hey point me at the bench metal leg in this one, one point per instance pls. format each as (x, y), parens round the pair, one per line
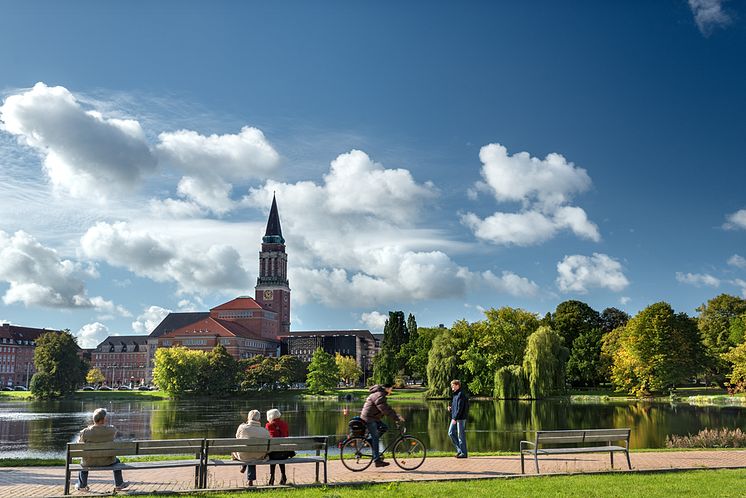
(317, 472)
(325, 472)
(629, 465)
(523, 469)
(536, 460)
(611, 454)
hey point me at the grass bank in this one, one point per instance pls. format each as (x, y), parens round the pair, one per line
(701, 483)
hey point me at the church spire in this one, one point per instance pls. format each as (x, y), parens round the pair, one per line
(273, 235)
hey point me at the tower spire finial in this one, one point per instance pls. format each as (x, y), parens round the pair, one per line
(273, 235)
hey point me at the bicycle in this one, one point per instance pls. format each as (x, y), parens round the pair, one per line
(408, 451)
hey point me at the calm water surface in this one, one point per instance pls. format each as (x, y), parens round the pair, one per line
(42, 428)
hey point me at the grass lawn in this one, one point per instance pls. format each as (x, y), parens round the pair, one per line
(720, 483)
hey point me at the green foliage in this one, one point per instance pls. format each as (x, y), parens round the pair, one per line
(270, 373)
(421, 344)
(95, 376)
(177, 369)
(59, 370)
(349, 371)
(219, 373)
(444, 361)
(323, 373)
(585, 366)
(496, 342)
(388, 363)
(544, 363)
(709, 438)
(510, 382)
(737, 329)
(613, 318)
(714, 323)
(291, 370)
(737, 358)
(573, 318)
(657, 350)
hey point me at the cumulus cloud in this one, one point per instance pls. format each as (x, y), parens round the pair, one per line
(737, 261)
(155, 255)
(510, 283)
(38, 276)
(84, 153)
(736, 221)
(709, 14)
(577, 273)
(91, 335)
(374, 320)
(624, 300)
(149, 319)
(742, 284)
(697, 279)
(212, 162)
(372, 212)
(543, 187)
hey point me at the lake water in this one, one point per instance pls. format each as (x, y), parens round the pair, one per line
(42, 428)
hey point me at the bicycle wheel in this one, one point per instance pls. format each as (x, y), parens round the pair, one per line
(409, 453)
(356, 454)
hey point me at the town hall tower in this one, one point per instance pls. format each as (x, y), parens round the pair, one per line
(272, 286)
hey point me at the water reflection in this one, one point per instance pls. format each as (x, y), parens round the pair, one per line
(42, 428)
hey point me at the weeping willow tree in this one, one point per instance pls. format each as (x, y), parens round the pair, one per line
(444, 360)
(544, 363)
(510, 382)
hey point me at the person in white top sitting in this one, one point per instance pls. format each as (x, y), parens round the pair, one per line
(249, 430)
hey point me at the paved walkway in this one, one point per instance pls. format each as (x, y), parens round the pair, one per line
(18, 482)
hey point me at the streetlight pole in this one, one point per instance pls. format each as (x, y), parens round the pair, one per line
(28, 365)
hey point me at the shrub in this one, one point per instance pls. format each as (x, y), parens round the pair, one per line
(709, 438)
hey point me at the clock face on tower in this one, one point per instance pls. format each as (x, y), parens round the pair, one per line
(268, 294)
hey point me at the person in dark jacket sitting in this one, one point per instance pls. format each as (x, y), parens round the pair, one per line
(374, 409)
(459, 411)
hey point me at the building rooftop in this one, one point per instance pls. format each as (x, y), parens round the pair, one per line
(328, 333)
(240, 303)
(175, 321)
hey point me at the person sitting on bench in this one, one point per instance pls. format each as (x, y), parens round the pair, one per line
(251, 429)
(99, 432)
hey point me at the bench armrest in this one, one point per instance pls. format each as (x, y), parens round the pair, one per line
(524, 445)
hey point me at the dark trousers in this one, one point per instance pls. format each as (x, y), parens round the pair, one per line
(83, 477)
(272, 469)
(375, 428)
(251, 472)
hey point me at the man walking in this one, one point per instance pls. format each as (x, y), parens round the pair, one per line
(99, 432)
(459, 408)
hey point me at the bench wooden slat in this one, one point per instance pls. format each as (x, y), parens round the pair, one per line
(140, 465)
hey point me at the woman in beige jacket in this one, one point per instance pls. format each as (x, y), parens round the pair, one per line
(252, 429)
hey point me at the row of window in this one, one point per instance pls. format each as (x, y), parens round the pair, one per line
(6, 340)
(235, 314)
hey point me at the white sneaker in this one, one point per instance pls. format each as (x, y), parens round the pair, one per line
(82, 489)
(122, 486)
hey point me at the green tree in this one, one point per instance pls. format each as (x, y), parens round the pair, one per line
(219, 373)
(387, 364)
(417, 361)
(658, 349)
(349, 371)
(544, 363)
(613, 318)
(291, 370)
(95, 376)
(738, 329)
(260, 372)
(444, 361)
(572, 318)
(409, 349)
(585, 366)
(59, 369)
(177, 369)
(714, 323)
(498, 341)
(323, 374)
(510, 382)
(737, 358)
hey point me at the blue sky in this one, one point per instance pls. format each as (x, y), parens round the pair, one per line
(435, 157)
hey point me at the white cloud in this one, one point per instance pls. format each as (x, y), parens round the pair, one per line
(709, 14)
(697, 279)
(84, 153)
(742, 284)
(38, 276)
(737, 261)
(624, 300)
(543, 187)
(736, 221)
(214, 267)
(510, 283)
(374, 320)
(577, 273)
(109, 308)
(90, 335)
(371, 212)
(149, 319)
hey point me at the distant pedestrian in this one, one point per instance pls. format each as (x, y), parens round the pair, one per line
(249, 430)
(459, 409)
(277, 428)
(99, 432)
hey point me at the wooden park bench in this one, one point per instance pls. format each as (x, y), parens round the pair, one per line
(318, 445)
(580, 441)
(191, 447)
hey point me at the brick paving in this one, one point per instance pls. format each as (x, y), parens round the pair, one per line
(21, 482)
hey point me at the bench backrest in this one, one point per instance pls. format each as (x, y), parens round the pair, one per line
(582, 436)
(296, 444)
(137, 447)
(252, 445)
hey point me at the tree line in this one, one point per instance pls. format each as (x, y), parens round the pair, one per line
(514, 353)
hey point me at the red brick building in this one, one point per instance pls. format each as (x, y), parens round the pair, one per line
(17, 346)
(123, 359)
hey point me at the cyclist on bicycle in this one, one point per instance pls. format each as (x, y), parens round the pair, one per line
(374, 409)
